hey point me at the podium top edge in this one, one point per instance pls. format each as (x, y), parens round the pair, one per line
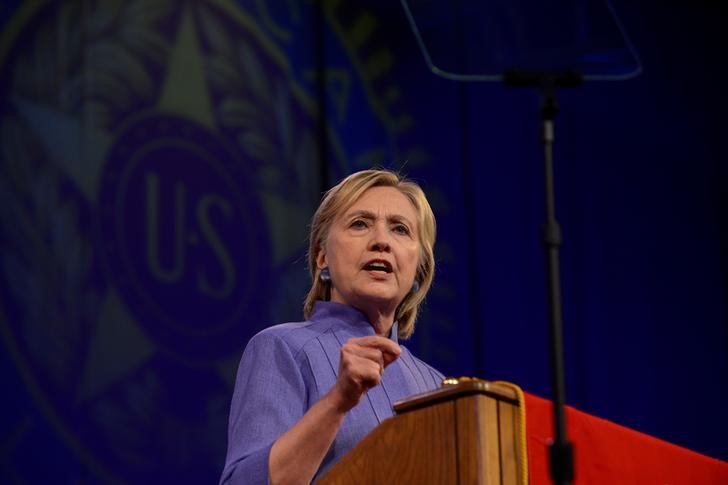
(454, 391)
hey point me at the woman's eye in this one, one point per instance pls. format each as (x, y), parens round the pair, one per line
(358, 224)
(401, 229)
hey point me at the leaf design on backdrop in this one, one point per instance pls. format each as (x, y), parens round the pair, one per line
(102, 66)
(257, 108)
(45, 254)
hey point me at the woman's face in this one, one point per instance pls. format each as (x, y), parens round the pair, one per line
(372, 250)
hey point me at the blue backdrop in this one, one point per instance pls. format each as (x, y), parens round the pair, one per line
(160, 161)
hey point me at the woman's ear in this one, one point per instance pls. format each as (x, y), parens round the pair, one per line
(321, 258)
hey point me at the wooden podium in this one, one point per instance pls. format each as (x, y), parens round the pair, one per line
(468, 432)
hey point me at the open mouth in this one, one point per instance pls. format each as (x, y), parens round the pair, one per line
(378, 265)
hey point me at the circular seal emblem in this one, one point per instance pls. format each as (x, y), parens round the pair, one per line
(180, 234)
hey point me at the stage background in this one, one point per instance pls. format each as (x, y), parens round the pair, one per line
(160, 161)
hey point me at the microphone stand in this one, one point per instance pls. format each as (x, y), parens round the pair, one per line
(561, 458)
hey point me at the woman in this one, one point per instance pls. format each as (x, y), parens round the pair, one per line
(307, 392)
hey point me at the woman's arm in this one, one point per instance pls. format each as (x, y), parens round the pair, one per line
(297, 454)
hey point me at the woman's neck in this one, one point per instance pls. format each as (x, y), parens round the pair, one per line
(382, 322)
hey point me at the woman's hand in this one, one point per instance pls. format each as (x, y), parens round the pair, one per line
(298, 453)
(361, 367)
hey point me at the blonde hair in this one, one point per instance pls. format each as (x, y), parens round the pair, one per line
(338, 200)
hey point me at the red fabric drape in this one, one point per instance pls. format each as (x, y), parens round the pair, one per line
(607, 453)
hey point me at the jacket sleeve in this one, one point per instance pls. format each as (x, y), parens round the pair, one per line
(270, 396)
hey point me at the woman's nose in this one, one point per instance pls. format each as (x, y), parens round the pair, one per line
(380, 239)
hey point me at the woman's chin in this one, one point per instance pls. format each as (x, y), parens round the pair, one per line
(373, 296)
(380, 296)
